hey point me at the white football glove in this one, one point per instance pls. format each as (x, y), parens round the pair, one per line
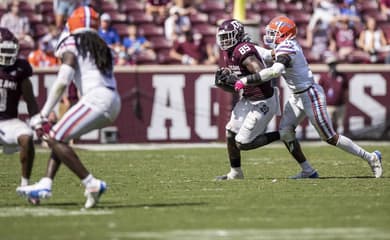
(37, 120)
(41, 125)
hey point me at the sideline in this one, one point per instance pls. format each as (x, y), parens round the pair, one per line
(159, 146)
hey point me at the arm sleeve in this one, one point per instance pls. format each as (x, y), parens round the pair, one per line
(65, 75)
(272, 72)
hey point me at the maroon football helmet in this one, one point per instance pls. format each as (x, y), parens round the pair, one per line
(9, 47)
(230, 33)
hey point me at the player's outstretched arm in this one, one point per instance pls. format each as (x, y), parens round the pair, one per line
(65, 76)
(266, 74)
(28, 96)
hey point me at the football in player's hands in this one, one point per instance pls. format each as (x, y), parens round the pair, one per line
(225, 75)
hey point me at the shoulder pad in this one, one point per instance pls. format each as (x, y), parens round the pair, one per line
(23, 68)
(286, 47)
(67, 44)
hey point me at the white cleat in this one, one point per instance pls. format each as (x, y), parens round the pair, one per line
(302, 174)
(376, 164)
(236, 174)
(93, 194)
(35, 191)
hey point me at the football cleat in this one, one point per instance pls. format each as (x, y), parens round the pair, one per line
(93, 194)
(35, 191)
(237, 174)
(303, 174)
(376, 164)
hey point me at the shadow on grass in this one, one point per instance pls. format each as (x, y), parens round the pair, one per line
(321, 177)
(109, 205)
(113, 205)
(352, 177)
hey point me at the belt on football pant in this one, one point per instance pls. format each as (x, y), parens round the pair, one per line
(304, 90)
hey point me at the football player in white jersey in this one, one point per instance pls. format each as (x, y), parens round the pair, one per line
(88, 61)
(308, 98)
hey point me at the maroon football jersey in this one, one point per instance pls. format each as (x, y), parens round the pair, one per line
(233, 60)
(11, 78)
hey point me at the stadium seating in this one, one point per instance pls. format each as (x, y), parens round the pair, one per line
(108, 6)
(204, 20)
(25, 49)
(117, 17)
(160, 42)
(139, 18)
(198, 18)
(151, 30)
(205, 29)
(164, 58)
(26, 7)
(121, 28)
(211, 6)
(129, 6)
(44, 7)
(39, 30)
(218, 16)
(264, 6)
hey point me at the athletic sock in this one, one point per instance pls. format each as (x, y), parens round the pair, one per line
(306, 167)
(348, 145)
(90, 181)
(46, 182)
(235, 170)
(24, 181)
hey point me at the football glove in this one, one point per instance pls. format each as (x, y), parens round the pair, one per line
(238, 85)
(41, 125)
(225, 79)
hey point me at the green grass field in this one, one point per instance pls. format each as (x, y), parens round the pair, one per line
(171, 194)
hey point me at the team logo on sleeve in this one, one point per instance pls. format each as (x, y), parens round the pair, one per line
(264, 108)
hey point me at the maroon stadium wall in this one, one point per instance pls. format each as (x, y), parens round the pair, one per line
(181, 104)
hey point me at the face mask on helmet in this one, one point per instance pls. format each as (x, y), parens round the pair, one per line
(8, 52)
(226, 39)
(270, 37)
(229, 34)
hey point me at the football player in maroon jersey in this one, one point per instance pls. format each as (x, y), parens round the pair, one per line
(258, 104)
(15, 84)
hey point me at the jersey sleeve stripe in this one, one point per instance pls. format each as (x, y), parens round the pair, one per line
(285, 51)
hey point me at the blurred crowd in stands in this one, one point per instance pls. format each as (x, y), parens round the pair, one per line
(183, 31)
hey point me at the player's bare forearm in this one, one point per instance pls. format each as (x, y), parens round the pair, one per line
(29, 98)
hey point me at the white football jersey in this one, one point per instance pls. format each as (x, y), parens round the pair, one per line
(87, 76)
(266, 55)
(297, 75)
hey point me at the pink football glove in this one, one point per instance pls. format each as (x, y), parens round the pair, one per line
(238, 85)
(43, 130)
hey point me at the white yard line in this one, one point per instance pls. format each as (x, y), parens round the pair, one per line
(259, 234)
(44, 212)
(158, 146)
